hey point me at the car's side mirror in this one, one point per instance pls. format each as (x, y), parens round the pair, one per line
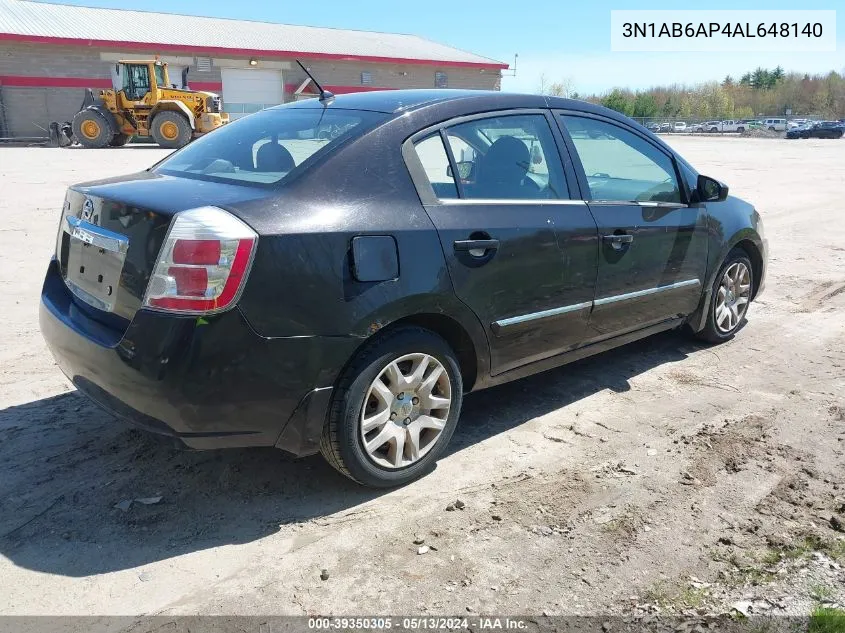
(711, 190)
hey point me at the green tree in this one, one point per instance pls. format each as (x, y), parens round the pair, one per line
(760, 79)
(744, 112)
(728, 81)
(644, 105)
(619, 101)
(670, 106)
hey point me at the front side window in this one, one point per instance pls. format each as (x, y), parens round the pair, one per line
(621, 166)
(267, 146)
(509, 157)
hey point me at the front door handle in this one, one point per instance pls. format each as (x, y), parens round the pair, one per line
(477, 248)
(618, 242)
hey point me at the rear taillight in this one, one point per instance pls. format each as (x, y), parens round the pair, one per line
(203, 263)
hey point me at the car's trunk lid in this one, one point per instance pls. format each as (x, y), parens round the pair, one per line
(112, 230)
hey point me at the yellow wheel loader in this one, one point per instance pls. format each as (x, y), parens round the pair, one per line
(143, 102)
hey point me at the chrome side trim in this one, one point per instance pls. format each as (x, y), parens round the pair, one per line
(526, 201)
(664, 205)
(542, 315)
(638, 203)
(646, 292)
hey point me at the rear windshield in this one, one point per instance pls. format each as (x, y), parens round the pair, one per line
(263, 148)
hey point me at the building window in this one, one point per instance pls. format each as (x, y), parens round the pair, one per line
(204, 64)
(366, 78)
(440, 80)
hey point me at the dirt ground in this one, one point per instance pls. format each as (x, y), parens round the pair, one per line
(662, 477)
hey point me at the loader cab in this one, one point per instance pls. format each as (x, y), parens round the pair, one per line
(138, 79)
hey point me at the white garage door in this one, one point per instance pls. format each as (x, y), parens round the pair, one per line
(250, 90)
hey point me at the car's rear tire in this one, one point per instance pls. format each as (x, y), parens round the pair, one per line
(92, 129)
(740, 130)
(730, 298)
(394, 409)
(171, 130)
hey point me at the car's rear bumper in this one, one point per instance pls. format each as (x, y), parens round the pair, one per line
(210, 383)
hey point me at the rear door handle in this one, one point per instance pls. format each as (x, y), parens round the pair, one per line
(618, 242)
(618, 239)
(476, 245)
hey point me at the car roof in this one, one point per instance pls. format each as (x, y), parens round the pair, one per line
(401, 101)
(459, 102)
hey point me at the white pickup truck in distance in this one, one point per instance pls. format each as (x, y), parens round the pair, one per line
(730, 125)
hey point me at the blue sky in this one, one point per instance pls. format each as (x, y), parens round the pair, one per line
(559, 40)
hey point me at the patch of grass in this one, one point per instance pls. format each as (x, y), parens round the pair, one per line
(671, 598)
(834, 548)
(771, 557)
(821, 593)
(827, 620)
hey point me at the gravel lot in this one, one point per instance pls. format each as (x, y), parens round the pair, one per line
(665, 476)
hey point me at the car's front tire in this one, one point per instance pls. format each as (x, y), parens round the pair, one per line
(730, 298)
(394, 409)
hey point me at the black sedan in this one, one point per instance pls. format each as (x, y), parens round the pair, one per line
(333, 275)
(823, 129)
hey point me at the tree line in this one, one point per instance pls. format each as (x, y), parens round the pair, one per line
(756, 93)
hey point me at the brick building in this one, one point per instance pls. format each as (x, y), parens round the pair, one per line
(50, 53)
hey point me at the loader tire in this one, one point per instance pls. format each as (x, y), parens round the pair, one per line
(170, 130)
(92, 129)
(119, 140)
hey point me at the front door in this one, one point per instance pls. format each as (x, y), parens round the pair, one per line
(520, 252)
(653, 247)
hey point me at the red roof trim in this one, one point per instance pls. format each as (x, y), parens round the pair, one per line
(24, 81)
(54, 82)
(150, 46)
(338, 90)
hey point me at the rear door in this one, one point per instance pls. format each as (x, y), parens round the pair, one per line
(520, 251)
(652, 253)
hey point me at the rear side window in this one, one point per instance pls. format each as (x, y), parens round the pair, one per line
(264, 148)
(511, 157)
(435, 162)
(621, 166)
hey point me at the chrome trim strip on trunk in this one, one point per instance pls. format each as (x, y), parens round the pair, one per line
(97, 235)
(542, 315)
(648, 291)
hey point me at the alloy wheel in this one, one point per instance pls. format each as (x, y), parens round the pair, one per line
(732, 297)
(405, 410)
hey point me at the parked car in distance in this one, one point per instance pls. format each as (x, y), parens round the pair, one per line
(267, 286)
(654, 127)
(793, 123)
(774, 125)
(821, 129)
(665, 127)
(712, 126)
(695, 127)
(798, 132)
(679, 126)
